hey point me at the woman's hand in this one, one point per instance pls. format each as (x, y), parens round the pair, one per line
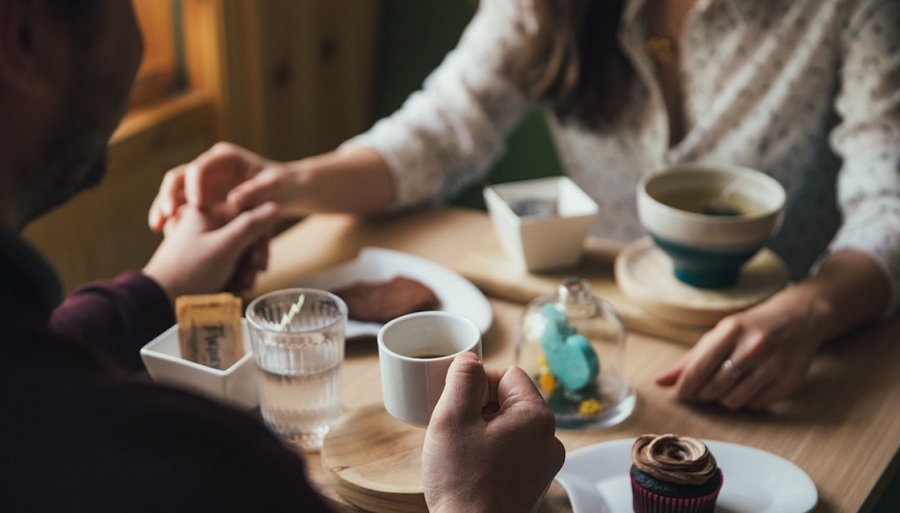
(759, 356)
(228, 179)
(750, 359)
(491, 443)
(223, 181)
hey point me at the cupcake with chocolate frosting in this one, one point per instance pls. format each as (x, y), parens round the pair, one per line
(673, 474)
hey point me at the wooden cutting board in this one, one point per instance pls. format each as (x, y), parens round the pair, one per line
(489, 269)
(375, 461)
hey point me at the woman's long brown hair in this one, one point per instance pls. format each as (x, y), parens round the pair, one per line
(573, 63)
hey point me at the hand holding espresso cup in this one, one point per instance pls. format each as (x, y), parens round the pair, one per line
(491, 439)
(414, 353)
(491, 444)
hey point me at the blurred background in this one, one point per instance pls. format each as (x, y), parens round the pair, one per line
(285, 78)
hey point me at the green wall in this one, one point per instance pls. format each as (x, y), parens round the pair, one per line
(415, 37)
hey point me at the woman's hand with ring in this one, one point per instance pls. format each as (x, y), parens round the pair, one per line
(732, 370)
(752, 358)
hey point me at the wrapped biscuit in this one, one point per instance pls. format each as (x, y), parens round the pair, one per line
(209, 329)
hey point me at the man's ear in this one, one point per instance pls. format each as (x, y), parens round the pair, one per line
(30, 47)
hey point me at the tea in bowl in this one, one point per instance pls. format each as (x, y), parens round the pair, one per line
(710, 219)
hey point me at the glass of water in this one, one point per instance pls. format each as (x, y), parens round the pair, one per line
(297, 336)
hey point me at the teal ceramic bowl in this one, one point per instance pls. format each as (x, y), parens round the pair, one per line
(710, 219)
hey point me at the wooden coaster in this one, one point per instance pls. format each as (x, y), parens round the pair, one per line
(375, 461)
(644, 273)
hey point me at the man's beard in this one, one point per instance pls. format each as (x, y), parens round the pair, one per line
(65, 185)
(75, 167)
(74, 155)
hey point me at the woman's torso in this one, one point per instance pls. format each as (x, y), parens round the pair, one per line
(758, 85)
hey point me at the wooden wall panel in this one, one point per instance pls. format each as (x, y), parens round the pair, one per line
(158, 73)
(291, 78)
(317, 61)
(295, 77)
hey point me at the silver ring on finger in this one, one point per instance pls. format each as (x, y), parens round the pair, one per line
(732, 370)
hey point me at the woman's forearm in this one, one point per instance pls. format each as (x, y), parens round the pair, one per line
(355, 181)
(849, 289)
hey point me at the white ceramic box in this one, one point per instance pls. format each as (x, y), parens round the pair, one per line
(235, 385)
(541, 224)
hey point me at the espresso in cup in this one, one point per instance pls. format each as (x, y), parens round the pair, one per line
(429, 356)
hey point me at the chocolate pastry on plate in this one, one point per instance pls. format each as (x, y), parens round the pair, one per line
(382, 301)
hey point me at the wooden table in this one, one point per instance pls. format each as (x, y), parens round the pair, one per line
(842, 427)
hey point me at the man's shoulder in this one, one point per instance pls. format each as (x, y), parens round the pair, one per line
(137, 446)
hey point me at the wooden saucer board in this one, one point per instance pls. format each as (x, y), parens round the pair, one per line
(645, 275)
(490, 270)
(374, 461)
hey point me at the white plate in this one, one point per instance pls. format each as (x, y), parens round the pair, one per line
(755, 481)
(455, 293)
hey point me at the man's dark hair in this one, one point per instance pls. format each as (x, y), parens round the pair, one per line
(72, 7)
(79, 16)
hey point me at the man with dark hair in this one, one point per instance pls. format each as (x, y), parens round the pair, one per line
(81, 432)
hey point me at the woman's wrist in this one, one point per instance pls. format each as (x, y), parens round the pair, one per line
(356, 181)
(298, 185)
(849, 289)
(816, 308)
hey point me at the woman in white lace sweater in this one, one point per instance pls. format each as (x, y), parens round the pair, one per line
(806, 91)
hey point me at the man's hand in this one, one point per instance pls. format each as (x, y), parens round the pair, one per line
(491, 443)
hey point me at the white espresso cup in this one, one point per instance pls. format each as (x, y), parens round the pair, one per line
(415, 352)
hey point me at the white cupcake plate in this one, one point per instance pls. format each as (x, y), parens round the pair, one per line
(596, 479)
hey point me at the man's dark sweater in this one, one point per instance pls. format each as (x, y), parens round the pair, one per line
(84, 432)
